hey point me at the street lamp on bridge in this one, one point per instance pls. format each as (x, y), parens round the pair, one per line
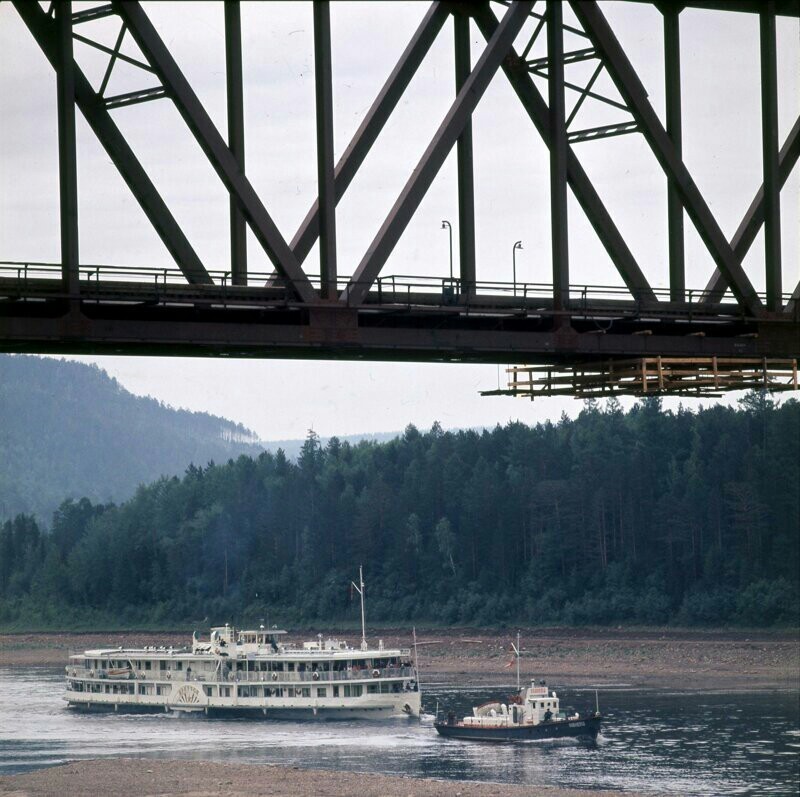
(447, 226)
(517, 245)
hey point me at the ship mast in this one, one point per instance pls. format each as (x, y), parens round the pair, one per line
(359, 588)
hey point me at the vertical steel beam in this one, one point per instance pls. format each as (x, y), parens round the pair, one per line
(325, 173)
(374, 121)
(67, 156)
(416, 187)
(769, 143)
(559, 222)
(466, 179)
(235, 94)
(672, 80)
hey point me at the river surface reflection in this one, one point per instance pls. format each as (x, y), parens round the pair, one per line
(703, 743)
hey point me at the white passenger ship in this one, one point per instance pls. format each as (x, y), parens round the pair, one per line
(249, 672)
(255, 673)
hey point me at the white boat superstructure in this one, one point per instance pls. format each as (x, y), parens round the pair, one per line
(255, 672)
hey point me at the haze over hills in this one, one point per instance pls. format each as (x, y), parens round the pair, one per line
(292, 448)
(68, 430)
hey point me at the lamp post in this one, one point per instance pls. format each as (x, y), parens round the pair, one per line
(517, 245)
(447, 226)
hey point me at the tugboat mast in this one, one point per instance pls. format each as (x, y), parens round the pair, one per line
(516, 650)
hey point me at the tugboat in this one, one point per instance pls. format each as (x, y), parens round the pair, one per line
(531, 714)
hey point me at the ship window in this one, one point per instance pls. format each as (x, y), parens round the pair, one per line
(372, 689)
(178, 665)
(322, 691)
(147, 665)
(306, 691)
(336, 691)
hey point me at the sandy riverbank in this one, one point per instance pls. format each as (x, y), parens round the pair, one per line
(145, 777)
(667, 658)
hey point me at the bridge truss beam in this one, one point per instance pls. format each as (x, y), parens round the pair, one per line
(294, 313)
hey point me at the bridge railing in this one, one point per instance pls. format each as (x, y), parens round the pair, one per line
(38, 279)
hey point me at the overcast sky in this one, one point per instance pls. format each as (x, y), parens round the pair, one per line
(282, 399)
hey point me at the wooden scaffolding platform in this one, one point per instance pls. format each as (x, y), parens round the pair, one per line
(651, 376)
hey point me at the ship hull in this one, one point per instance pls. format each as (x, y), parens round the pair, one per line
(585, 727)
(405, 705)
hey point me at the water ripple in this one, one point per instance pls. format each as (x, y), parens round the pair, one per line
(710, 743)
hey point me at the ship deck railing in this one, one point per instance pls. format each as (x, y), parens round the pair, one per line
(239, 676)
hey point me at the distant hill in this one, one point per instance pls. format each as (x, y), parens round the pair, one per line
(68, 430)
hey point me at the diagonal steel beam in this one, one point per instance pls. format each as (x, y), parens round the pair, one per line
(751, 223)
(215, 148)
(434, 156)
(581, 185)
(374, 122)
(96, 114)
(630, 87)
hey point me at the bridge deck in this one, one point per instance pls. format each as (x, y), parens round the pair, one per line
(406, 318)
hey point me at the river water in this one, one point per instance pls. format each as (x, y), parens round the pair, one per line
(693, 743)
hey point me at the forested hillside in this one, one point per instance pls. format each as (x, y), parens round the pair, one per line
(641, 517)
(69, 430)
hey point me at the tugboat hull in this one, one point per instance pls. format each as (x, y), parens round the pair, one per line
(583, 727)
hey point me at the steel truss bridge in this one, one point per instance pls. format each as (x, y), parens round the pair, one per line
(74, 307)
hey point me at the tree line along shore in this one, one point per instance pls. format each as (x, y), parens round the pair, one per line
(646, 517)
